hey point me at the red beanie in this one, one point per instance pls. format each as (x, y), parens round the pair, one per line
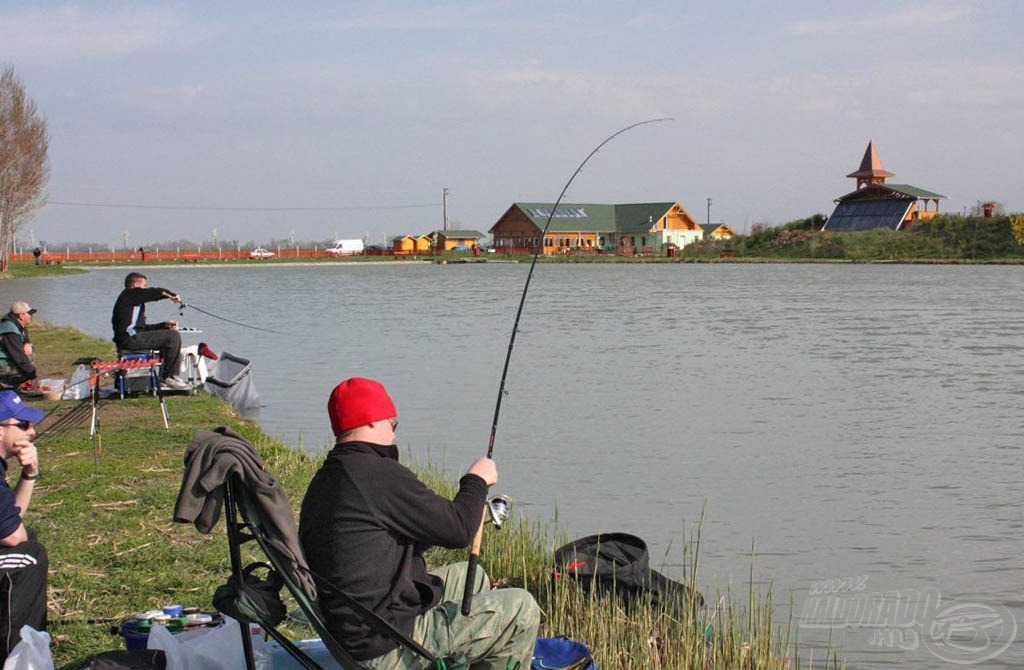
(357, 402)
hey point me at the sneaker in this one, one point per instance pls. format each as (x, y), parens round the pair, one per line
(173, 384)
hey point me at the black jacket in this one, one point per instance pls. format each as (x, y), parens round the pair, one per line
(129, 315)
(366, 521)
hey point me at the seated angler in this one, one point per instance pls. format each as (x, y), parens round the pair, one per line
(366, 523)
(132, 333)
(16, 359)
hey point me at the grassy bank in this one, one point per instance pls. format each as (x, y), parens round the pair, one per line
(114, 551)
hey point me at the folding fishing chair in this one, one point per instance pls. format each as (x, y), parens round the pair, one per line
(264, 515)
(245, 523)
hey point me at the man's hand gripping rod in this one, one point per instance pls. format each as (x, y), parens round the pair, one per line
(474, 552)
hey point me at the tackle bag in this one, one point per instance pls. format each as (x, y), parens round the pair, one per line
(134, 659)
(561, 653)
(619, 563)
(255, 600)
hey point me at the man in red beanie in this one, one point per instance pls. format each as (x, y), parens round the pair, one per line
(367, 521)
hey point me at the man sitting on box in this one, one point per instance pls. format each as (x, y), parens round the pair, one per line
(132, 333)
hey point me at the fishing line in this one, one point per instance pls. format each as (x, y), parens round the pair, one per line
(474, 554)
(224, 318)
(529, 275)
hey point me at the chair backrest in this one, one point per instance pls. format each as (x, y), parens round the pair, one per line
(300, 585)
(222, 469)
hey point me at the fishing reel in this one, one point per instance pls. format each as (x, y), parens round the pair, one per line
(498, 508)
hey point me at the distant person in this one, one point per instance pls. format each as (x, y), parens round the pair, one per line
(37, 252)
(23, 560)
(16, 354)
(132, 333)
(142, 253)
(366, 523)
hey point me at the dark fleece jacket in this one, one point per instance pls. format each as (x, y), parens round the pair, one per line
(366, 522)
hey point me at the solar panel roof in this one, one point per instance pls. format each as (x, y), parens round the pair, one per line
(868, 214)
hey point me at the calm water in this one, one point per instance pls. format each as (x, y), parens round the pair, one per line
(850, 421)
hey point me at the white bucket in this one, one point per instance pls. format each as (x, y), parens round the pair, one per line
(52, 389)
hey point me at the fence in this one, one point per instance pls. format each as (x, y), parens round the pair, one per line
(186, 255)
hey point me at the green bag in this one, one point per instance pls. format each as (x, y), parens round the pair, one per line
(255, 600)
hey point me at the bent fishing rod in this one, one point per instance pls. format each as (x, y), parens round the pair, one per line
(182, 305)
(474, 553)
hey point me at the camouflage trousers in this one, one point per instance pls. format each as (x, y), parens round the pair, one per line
(499, 631)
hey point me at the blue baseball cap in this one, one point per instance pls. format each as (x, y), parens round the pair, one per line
(12, 407)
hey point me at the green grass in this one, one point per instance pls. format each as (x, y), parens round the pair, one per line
(29, 269)
(106, 521)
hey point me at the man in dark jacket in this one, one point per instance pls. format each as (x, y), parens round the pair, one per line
(132, 333)
(23, 560)
(16, 366)
(367, 521)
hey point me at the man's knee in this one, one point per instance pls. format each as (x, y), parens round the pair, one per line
(30, 552)
(529, 610)
(519, 607)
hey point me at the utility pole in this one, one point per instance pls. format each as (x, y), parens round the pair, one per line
(445, 207)
(709, 211)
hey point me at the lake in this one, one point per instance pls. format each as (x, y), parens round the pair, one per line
(857, 428)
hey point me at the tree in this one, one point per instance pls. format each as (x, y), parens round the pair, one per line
(24, 168)
(1017, 227)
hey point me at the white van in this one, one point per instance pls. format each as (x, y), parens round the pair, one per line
(345, 248)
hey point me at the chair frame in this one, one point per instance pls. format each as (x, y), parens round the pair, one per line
(243, 525)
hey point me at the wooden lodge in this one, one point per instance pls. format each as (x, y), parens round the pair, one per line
(643, 228)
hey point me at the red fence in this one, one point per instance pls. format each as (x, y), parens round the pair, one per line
(183, 255)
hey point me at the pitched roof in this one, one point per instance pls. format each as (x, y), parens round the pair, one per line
(871, 165)
(890, 192)
(641, 216)
(569, 216)
(868, 214)
(572, 217)
(469, 234)
(914, 191)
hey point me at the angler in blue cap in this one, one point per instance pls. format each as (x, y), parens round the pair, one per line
(23, 560)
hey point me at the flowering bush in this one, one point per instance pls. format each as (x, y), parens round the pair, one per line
(788, 238)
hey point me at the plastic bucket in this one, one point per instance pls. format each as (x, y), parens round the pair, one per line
(52, 389)
(134, 639)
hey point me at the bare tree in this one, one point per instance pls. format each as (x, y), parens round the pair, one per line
(24, 168)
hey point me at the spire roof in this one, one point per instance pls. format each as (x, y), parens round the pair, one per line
(871, 167)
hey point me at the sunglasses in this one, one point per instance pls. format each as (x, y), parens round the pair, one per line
(394, 425)
(23, 425)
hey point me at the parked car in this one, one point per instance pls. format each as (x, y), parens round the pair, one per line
(260, 252)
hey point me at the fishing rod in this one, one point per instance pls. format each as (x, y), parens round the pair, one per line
(182, 305)
(474, 554)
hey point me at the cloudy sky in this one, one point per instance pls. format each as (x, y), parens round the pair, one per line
(260, 120)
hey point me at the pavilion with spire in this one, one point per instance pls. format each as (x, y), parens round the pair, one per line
(876, 204)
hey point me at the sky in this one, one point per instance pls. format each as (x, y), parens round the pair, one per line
(253, 121)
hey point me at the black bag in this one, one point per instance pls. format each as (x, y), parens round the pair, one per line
(255, 600)
(132, 659)
(619, 562)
